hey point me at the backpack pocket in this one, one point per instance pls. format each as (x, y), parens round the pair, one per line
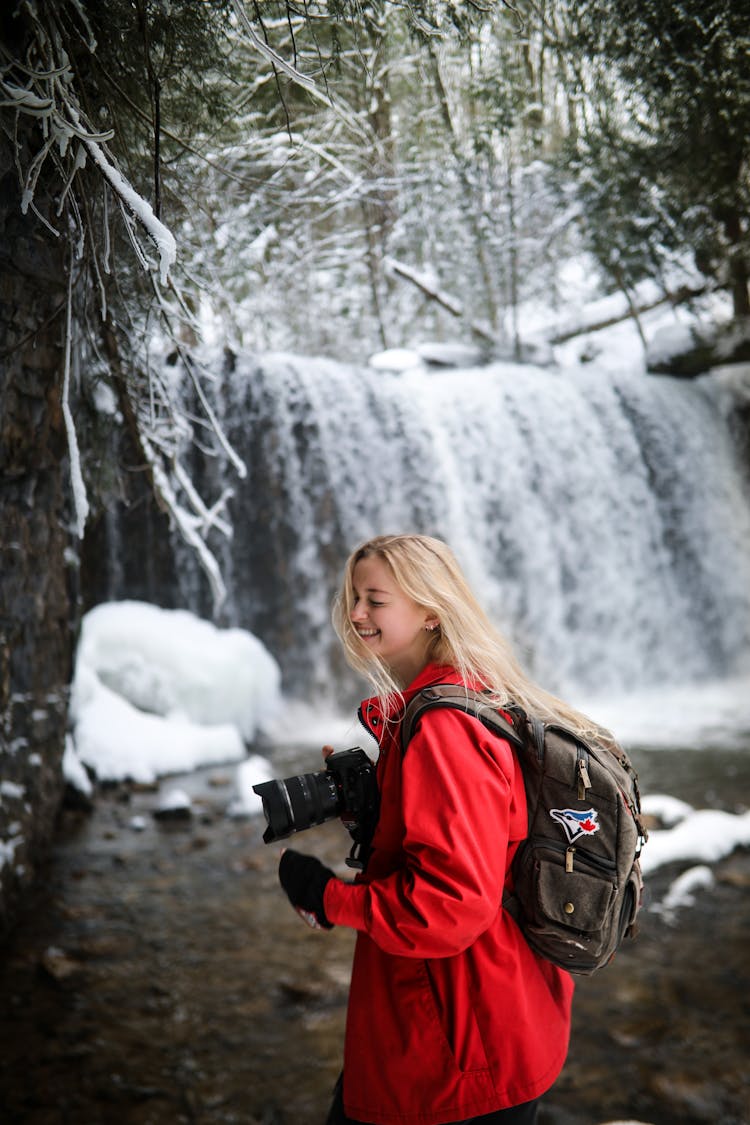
(631, 903)
(577, 902)
(568, 915)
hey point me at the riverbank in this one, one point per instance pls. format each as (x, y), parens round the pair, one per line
(158, 977)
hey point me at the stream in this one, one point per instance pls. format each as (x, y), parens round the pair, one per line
(158, 976)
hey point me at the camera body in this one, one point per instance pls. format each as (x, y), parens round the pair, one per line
(346, 788)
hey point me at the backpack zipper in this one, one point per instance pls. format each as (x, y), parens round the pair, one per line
(583, 858)
(582, 772)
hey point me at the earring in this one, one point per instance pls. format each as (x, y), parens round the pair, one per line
(431, 628)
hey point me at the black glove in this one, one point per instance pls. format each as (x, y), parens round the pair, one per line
(304, 878)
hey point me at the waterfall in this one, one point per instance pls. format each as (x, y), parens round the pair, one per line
(603, 521)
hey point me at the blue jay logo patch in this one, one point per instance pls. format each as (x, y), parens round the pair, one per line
(576, 824)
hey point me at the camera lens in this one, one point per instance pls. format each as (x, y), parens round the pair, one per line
(297, 803)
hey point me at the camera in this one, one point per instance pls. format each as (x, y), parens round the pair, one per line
(346, 788)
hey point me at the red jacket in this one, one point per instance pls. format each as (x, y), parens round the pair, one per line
(450, 1013)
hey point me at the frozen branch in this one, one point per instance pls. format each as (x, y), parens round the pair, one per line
(80, 499)
(216, 426)
(426, 285)
(630, 310)
(208, 517)
(159, 234)
(185, 522)
(274, 58)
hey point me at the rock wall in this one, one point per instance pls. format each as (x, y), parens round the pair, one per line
(37, 553)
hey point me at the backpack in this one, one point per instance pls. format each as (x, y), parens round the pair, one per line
(577, 879)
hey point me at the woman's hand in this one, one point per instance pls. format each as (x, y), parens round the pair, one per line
(304, 878)
(326, 752)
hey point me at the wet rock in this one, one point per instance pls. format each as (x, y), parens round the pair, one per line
(75, 800)
(735, 871)
(174, 815)
(175, 805)
(219, 781)
(59, 966)
(692, 1098)
(689, 350)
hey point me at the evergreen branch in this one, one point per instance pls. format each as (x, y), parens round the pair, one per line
(274, 58)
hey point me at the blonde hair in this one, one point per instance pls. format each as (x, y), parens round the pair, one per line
(426, 570)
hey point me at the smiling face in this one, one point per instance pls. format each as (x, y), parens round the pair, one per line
(388, 622)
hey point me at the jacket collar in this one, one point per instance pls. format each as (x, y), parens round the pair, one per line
(431, 674)
(371, 712)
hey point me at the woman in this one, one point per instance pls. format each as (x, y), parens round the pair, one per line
(451, 1017)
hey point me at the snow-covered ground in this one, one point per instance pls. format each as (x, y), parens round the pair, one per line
(616, 347)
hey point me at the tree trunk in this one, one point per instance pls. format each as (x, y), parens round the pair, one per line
(37, 559)
(470, 209)
(738, 269)
(379, 209)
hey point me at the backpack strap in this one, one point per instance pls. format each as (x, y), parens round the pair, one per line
(459, 698)
(473, 703)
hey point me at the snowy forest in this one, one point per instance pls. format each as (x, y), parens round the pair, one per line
(340, 178)
(274, 276)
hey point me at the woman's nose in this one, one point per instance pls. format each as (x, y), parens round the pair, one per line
(358, 612)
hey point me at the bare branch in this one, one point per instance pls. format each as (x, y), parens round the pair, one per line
(450, 304)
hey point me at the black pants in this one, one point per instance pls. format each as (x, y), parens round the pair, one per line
(516, 1115)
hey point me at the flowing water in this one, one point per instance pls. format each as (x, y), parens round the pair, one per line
(603, 520)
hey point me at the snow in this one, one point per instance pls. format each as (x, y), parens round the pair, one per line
(427, 355)
(161, 236)
(252, 772)
(680, 894)
(174, 800)
(450, 354)
(396, 359)
(74, 770)
(116, 740)
(704, 835)
(698, 837)
(669, 341)
(668, 810)
(78, 487)
(158, 692)
(617, 347)
(170, 662)
(11, 790)
(105, 401)
(8, 851)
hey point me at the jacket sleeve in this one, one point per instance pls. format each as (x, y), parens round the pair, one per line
(456, 799)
